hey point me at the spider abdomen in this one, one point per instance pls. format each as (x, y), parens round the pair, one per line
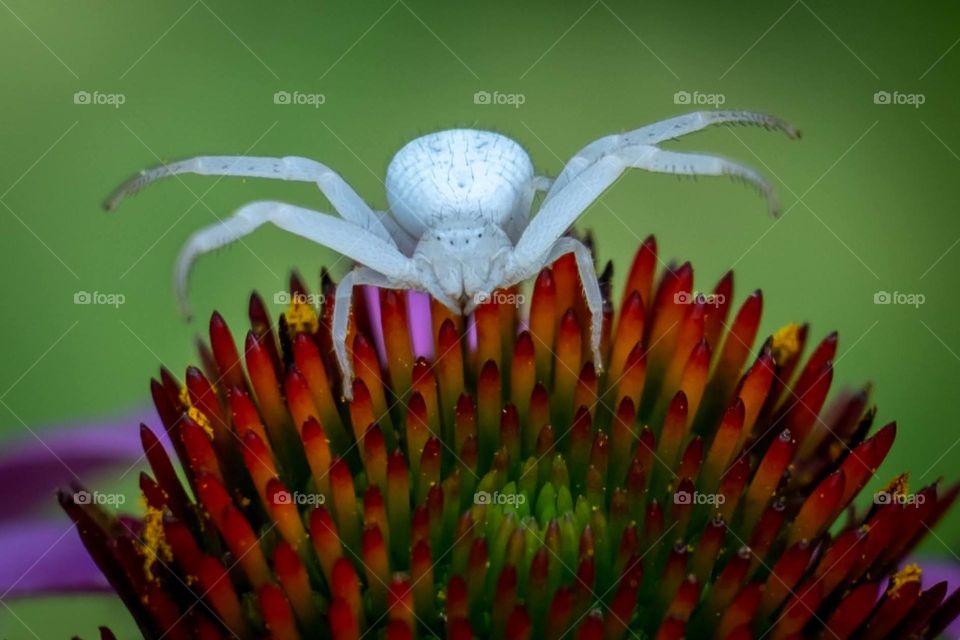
(458, 174)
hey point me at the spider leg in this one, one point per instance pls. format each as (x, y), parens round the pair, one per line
(343, 299)
(518, 220)
(673, 128)
(591, 289)
(557, 214)
(343, 198)
(658, 132)
(701, 164)
(531, 251)
(330, 231)
(405, 242)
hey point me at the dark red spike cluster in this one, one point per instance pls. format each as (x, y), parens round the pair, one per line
(509, 487)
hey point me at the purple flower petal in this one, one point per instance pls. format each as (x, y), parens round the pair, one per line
(49, 556)
(421, 324)
(32, 468)
(936, 570)
(46, 556)
(418, 317)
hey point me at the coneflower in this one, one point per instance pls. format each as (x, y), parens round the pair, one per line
(495, 483)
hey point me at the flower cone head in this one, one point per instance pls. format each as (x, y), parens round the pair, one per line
(490, 480)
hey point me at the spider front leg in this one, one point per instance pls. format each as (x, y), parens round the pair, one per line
(518, 219)
(343, 198)
(542, 241)
(526, 260)
(343, 299)
(343, 237)
(700, 164)
(591, 290)
(658, 132)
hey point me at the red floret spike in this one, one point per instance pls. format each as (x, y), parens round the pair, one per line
(629, 333)
(376, 566)
(818, 510)
(425, 383)
(224, 349)
(642, 271)
(544, 313)
(293, 577)
(396, 339)
(344, 503)
(721, 300)
(266, 387)
(277, 615)
(421, 577)
(523, 375)
(489, 393)
(344, 625)
(740, 614)
(487, 319)
(326, 541)
(449, 366)
(567, 367)
(398, 505)
(767, 478)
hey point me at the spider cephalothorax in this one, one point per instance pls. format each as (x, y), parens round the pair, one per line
(459, 224)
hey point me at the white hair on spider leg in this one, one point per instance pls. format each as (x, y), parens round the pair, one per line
(460, 221)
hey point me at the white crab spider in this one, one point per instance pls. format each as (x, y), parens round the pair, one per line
(459, 224)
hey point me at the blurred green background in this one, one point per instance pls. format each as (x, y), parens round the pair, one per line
(869, 193)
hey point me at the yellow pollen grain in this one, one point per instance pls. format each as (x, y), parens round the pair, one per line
(910, 573)
(785, 343)
(899, 486)
(155, 545)
(198, 416)
(301, 317)
(195, 414)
